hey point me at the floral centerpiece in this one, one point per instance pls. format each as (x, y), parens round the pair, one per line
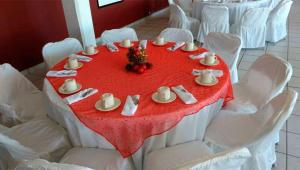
(138, 60)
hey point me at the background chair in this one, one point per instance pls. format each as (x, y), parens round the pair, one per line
(213, 19)
(117, 35)
(252, 27)
(186, 5)
(276, 23)
(266, 78)
(194, 155)
(20, 100)
(228, 46)
(54, 52)
(254, 131)
(178, 19)
(177, 35)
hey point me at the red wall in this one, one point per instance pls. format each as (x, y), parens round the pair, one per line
(26, 25)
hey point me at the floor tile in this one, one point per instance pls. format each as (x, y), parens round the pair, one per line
(241, 73)
(294, 82)
(293, 144)
(281, 162)
(281, 147)
(293, 124)
(256, 52)
(297, 108)
(293, 163)
(250, 58)
(297, 90)
(245, 65)
(277, 49)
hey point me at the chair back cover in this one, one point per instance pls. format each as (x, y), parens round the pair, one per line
(18, 97)
(177, 35)
(185, 4)
(54, 52)
(117, 35)
(178, 19)
(281, 11)
(39, 164)
(214, 19)
(228, 46)
(255, 17)
(266, 78)
(227, 160)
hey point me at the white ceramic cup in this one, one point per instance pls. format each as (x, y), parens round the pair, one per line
(107, 100)
(90, 49)
(207, 78)
(189, 46)
(73, 62)
(160, 40)
(70, 85)
(164, 93)
(126, 43)
(210, 58)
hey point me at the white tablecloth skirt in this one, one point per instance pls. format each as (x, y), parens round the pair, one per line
(190, 128)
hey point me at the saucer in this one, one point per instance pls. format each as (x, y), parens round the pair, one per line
(184, 49)
(198, 81)
(62, 90)
(121, 45)
(157, 100)
(155, 43)
(96, 52)
(99, 107)
(66, 66)
(202, 61)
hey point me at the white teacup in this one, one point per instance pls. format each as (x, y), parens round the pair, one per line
(107, 100)
(73, 62)
(189, 46)
(90, 49)
(164, 93)
(126, 43)
(210, 58)
(160, 40)
(70, 85)
(207, 78)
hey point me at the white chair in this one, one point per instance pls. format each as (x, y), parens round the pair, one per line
(194, 155)
(277, 22)
(266, 78)
(38, 138)
(213, 19)
(54, 52)
(186, 5)
(178, 19)
(254, 131)
(177, 35)
(252, 27)
(117, 35)
(20, 100)
(228, 46)
(82, 159)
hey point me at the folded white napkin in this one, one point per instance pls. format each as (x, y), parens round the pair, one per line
(176, 46)
(80, 95)
(184, 95)
(131, 105)
(197, 56)
(217, 73)
(62, 73)
(81, 57)
(111, 47)
(143, 44)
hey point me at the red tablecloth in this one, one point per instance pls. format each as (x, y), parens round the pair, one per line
(106, 72)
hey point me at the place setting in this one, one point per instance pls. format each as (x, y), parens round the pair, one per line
(163, 95)
(126, 43)
(73, 63)
(189, 47)
(159, 41)
(176, 46)
(210, 59)
(69, 86)
(90, 50)
(107, 102)
(206, 79)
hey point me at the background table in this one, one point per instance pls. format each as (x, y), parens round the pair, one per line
(182, 123)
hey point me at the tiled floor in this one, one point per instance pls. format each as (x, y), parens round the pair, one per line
(288, 150)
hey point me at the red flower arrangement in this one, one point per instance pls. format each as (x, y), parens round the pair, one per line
(138, 60)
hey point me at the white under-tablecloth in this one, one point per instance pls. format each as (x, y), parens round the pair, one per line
(236, 9)
(188, 129)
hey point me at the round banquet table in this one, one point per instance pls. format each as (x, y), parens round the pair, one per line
(153, 126)
(236, 8)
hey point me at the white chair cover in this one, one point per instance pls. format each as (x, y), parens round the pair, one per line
(186, 5)
(117, 35)
(54, 52)
(277, 22)
(98, 159)
(177, 35)
(41, 164)
(252, 27)
(178, 19)
(254, 131)
(20, 100)
(228, 46)
(265, 79)
(213, 19)
(194, 155)
(38, 138)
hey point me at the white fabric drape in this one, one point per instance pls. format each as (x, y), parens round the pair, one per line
(117, 35)
(177, 35)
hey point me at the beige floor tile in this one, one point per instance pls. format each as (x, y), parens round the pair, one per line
(294, 82)
(281, 162)
(293, 163)
(297, 109)
(281, 147)
(293, 144)
(241, 73)
(250, 58)
(279, 49)
(256, 52)
(294, 124)
(245, 65)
